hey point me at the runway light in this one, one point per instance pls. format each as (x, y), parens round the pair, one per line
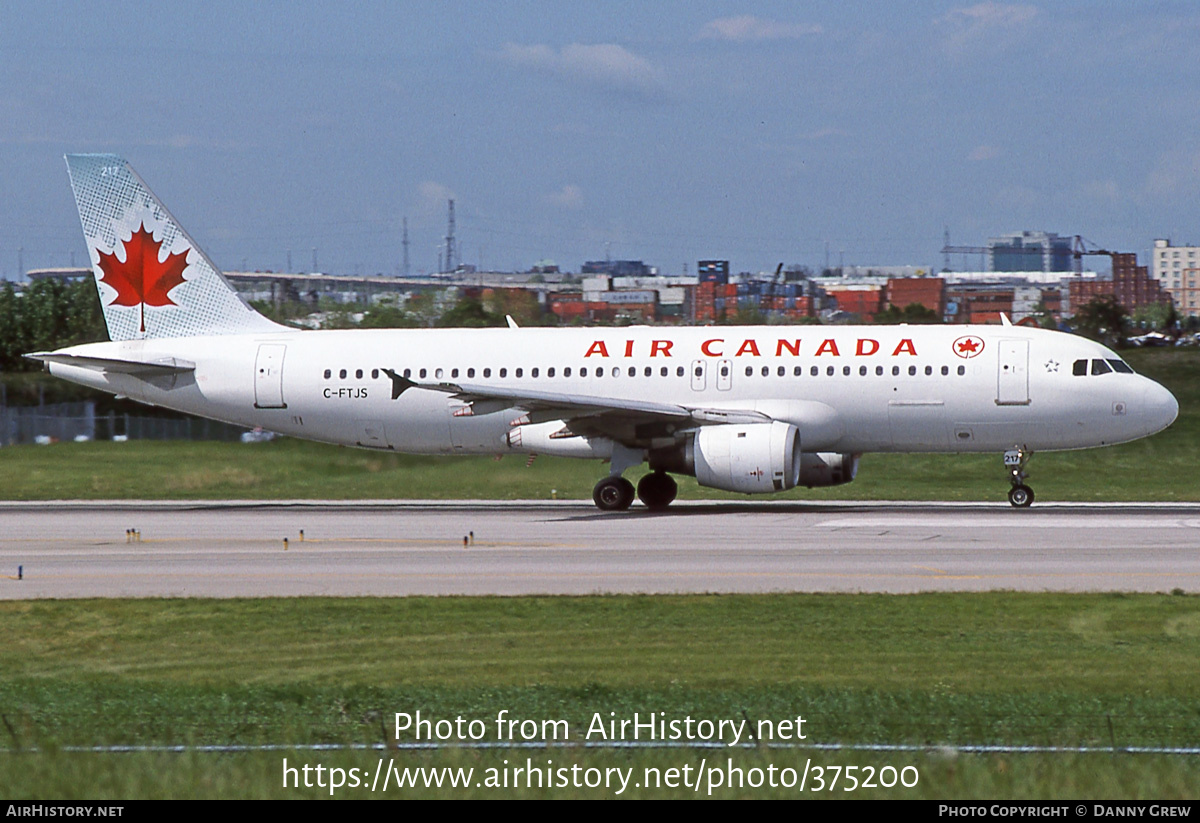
(472, 535)
(285, 544)
(464, 541)
(302, 535)
(20, 572)
(554, 494)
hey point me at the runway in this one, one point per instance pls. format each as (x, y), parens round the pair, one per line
(387, 548)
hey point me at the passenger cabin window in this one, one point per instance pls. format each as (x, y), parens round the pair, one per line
(328, 374)
(342, 374)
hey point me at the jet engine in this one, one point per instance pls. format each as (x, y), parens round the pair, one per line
(753, 458)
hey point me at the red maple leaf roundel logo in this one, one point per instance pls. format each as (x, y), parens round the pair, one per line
(968, 347)
(142, 279)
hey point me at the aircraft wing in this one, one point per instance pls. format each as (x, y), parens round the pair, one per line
(575, 407)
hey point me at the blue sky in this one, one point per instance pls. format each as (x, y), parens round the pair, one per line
(667, 132)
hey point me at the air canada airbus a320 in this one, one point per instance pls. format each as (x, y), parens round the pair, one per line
(753, 409)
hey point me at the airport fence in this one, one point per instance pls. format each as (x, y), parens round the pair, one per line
(66, 422)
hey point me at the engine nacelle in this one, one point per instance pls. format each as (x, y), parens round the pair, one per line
(554, 438)
(752, 458)
(827, 469)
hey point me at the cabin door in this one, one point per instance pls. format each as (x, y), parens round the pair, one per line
(268, 376)
(1012, 380)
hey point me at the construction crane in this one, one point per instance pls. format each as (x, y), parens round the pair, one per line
(1080, 246)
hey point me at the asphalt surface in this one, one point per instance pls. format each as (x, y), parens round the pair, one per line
(236, 549)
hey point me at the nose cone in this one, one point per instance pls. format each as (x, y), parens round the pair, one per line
(1161, 407)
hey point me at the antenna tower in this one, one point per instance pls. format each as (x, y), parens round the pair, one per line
(404, 243)
(450, 255)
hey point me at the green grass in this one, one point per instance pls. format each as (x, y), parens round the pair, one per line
(1158, 468)
(931, 670)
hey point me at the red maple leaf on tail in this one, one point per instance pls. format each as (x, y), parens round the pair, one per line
(142, 278)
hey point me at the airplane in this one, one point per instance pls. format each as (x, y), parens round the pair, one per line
(753, 409)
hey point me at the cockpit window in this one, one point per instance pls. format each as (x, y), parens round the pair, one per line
(1080, 369)
(1120, 366)
(1100, 367)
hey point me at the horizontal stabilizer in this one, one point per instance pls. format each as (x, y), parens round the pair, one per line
(160, 366)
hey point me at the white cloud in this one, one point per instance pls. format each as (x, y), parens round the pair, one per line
(984, 152)
(747, 29)
(432, 197)
(1176, 172)
(984, 24)
(570, 197)
(603, 64)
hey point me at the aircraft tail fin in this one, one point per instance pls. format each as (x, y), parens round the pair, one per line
(153, 280)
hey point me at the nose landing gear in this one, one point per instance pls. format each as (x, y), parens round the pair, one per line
(1020, 495)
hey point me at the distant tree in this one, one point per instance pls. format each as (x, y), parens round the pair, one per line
(85, 317)
(1158, 316)
(388, 316)
(469, 312)
(12, 342)
(912, 313)
(744, 316)
(1102, 318)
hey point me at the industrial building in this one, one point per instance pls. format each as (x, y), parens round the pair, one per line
(1177, 270)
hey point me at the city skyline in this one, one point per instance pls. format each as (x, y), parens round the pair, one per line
(667, 133)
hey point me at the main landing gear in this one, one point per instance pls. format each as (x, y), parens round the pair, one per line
(656, 490)
(1020, 495)
(613, 494)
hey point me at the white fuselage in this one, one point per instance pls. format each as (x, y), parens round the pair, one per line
(848, 389)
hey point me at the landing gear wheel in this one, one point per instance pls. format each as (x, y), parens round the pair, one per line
(613, 494)
(657, 490)
(1020, 496)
